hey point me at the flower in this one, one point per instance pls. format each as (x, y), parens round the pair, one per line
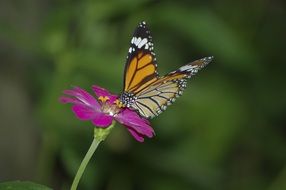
(106, 108)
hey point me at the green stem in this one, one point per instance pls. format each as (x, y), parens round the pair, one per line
(99, 135)
(84, 163)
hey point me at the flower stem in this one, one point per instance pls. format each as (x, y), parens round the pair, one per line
(99, 135)
(84, 163)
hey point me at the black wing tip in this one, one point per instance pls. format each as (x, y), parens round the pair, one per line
(193, 67)
(142, 24)
(143, 29)
(208, 59)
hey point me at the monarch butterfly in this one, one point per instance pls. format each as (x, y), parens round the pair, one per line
(143, 89)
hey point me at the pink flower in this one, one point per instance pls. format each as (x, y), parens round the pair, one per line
(104, 109)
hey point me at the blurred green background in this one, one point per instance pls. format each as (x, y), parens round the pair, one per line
(226, 132)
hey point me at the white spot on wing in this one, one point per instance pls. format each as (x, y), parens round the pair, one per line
(142, 42)
(137, 41)
(187, 68)
(146, 46)
(134, 40)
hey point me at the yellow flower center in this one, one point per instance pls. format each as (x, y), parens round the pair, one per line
(119, 103)
(103, 99)
(110, 109)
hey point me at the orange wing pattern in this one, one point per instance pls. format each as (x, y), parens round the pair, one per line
(143, 90)
(141, 67)
(140, 73)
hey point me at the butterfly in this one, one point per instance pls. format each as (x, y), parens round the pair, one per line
(143, 89)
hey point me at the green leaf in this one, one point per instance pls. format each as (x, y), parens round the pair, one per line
(22, 185)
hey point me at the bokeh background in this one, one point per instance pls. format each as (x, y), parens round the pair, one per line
(226, 132)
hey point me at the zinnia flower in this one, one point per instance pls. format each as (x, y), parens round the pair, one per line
(101, 111)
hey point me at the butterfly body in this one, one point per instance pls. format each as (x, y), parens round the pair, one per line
(144, 90)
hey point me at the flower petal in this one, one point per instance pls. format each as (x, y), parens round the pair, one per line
(100, 91)
(66, 100)
(84, 112)
(83, 96)
(133, 121)
(102, 120)
(86, 107)
(136, 135)
(103, 92)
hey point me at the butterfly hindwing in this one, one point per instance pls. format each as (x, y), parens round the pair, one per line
(154, 99)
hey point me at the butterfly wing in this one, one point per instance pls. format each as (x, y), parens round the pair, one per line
(141, 66)
(143, 90)
(154, 99)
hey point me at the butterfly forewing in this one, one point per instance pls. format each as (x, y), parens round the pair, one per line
(140, 67)
(193, 67)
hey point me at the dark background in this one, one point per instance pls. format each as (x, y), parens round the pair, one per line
(226, 132)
